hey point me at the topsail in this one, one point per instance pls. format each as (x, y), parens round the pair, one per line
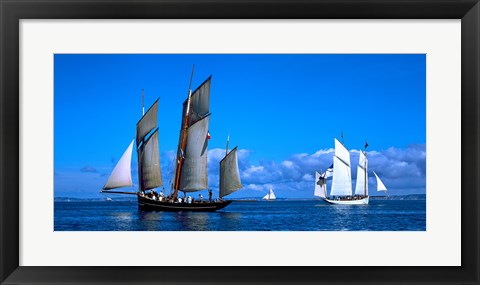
(147, 123)
(199, 103)
(342, 179)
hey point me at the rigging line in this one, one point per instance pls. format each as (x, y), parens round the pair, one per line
(342, 161)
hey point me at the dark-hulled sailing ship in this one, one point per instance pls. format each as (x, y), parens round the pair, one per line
(190, 172)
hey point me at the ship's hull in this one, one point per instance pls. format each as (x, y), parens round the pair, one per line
(148, 204)
(363, 201)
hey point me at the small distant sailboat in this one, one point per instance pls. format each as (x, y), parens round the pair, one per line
(341, 189)
(270, 196)
(190, 169)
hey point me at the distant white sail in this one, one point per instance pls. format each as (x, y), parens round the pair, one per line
(320, 185)
(380, 185)
(361, 187)
(269, 196)
(121, 175)
(342, 178)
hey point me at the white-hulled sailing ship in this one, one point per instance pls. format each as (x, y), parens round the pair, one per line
(190, 173)
(341, 189)
(270, 196)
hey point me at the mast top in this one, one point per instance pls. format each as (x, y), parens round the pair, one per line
(143, 102)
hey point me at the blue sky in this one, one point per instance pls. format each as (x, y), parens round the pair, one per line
(283, 112)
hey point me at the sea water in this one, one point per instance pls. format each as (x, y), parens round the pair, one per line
(287, 215)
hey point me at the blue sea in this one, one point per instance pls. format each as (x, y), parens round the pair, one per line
(381, 214)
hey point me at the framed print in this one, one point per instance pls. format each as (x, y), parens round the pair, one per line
(356, 125)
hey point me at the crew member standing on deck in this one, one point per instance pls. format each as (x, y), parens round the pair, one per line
(210, 195)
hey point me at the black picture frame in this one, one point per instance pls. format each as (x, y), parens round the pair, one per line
(12, 11)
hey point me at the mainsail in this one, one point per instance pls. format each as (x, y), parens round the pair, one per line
(193, 175)
(191, 167)
(150, 175)
(342, 179)
(380, 185)
(149, 171)
(361, 187)
(121, 175)
(229, 174)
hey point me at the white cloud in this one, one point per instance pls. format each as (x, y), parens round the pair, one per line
(402, 170)
(308, 177)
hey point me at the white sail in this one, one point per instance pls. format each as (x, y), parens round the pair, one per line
(342, 153)
(272, 195)
(269, 196)
(320, 185)
(361, 187)
(121, 175)
(229, 174)
(380, 185)
(342, 178)
(194, 174)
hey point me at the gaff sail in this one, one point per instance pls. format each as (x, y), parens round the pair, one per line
(229, 174)
(361, 186)
(193, 175)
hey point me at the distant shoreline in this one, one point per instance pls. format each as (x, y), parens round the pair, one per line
(247, 199)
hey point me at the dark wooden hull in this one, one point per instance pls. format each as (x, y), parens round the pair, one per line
(151, 205)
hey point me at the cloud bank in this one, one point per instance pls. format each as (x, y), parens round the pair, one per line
(403, 171)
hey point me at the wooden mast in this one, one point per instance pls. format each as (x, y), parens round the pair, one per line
(183, 140)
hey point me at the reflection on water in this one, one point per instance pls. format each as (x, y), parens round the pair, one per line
(192, 221)
(188, 221)
(379, 215)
